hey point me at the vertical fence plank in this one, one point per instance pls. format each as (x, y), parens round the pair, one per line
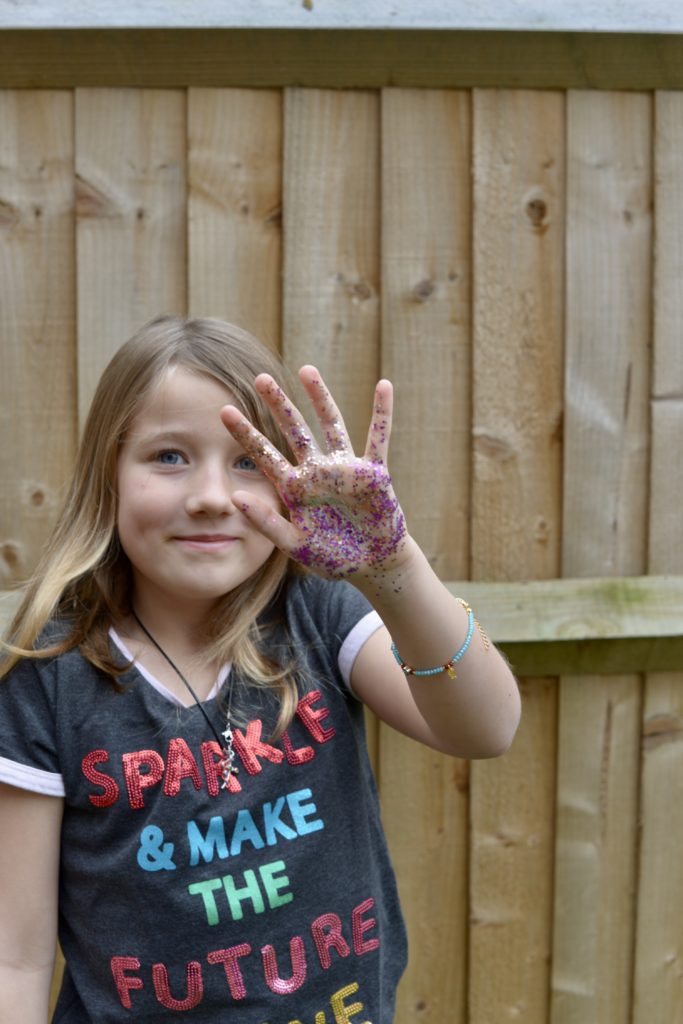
(37, 321)
(606, 430)
(517, 385)
(130, 164)
(235, 207)
(331, 258)
(426, 353)
(659, 940)
(331, 251)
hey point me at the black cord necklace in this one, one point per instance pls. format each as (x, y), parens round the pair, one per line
(227, 765)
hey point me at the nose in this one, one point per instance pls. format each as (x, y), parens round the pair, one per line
(210, 492)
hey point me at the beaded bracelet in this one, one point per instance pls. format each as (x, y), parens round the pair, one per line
(452, 662)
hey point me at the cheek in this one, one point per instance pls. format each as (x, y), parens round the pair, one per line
(139, 507)
(267, 493)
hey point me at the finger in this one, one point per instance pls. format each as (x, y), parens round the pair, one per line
(331, 422)
(278, 530)
(290, 420)
(377, 446)
(266, 456)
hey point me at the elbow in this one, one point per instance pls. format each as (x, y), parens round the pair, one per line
(495, 737)
(499, 739)
(496, 747)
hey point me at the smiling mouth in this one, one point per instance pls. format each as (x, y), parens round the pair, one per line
(207, 540)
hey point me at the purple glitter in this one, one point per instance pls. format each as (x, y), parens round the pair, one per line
(343, 507)
(340, 540)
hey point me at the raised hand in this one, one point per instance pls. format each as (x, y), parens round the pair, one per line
(344, 518)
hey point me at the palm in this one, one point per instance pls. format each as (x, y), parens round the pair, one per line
(344, 517)
(347, 516)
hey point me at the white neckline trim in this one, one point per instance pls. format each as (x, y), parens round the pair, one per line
(159, 686)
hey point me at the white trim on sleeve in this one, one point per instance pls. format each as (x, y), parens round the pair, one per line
(34, 779)
(348, 652)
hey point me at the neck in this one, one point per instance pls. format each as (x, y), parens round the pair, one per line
(181, 631)
(185, 678)
(227, 765)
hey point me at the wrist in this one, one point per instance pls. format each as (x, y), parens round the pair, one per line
(448, 666)
(391, 584)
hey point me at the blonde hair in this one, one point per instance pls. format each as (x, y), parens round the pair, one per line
(85, 577)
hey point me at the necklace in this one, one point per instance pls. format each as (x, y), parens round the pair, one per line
(226, 764)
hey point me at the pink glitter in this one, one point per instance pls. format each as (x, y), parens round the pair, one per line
(341, 540)
(343, 507)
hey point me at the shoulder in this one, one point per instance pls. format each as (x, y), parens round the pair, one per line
(46, 669)
(330, 606)
(329, 621)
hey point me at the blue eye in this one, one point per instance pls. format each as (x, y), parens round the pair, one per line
(169, 458)
(245, 463)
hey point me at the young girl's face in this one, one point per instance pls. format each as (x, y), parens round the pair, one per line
(178, 468)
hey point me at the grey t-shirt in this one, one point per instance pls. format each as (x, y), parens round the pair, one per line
(272, 902)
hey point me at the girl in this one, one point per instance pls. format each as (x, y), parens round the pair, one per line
(185, 791)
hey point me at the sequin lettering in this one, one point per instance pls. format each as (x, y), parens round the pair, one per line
(229, 958)
(250, 747)
(299, 756)
(195, 987)
(142, 770)
(297, 957)
(138, 780)
(312, 717)
(342, 1012)
(180, 764)
(285, 970)
(327, 934)
(124, 984)
(110, 789)
(360, 926)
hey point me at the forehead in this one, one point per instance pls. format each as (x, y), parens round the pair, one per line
(181, 398)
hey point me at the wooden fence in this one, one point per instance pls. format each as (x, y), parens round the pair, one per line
(512, 259)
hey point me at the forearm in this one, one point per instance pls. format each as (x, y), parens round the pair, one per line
(30, 826)
(24, 994)
(428, 626)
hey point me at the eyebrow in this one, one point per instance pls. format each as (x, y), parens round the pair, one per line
(170, 436)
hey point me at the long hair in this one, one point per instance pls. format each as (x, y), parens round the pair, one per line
(84, 577)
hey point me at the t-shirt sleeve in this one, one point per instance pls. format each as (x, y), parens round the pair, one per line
(28, 748)
(353, 642)
(343, 618)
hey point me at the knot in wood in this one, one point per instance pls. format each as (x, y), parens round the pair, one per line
(273, 218)
(362, 291)
(424, 290)
(10, 215)
(536, 209)
(10, 554)
(541, 530)
(92, 201)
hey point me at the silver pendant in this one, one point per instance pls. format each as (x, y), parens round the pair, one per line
(227, 766)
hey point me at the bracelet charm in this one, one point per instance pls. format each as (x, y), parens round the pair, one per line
(449, 666)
